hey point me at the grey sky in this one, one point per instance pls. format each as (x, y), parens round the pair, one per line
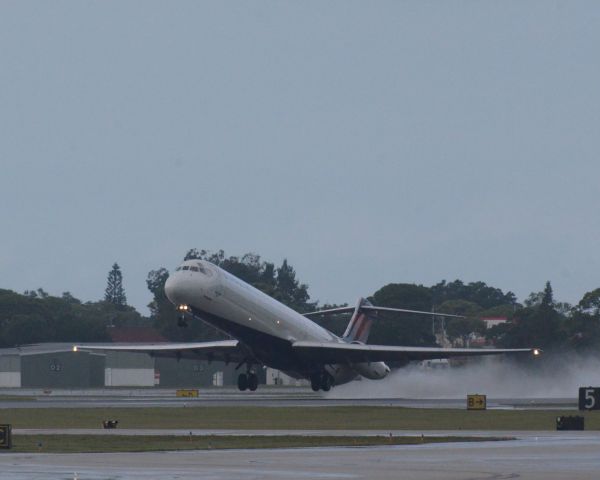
(367, 142)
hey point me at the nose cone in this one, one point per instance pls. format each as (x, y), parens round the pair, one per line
(171, 290)
(181, 289)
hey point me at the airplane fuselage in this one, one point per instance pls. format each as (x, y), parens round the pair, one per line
(264, 326)
(267, 333)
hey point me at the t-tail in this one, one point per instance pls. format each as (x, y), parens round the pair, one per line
(359, 327)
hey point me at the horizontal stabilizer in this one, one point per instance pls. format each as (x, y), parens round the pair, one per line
(373, 308)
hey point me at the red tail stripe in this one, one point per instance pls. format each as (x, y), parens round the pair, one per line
(361, 327)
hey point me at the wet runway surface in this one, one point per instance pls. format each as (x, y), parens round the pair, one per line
(556, 456)
(310, 433)
(287, 397)
(533, 455)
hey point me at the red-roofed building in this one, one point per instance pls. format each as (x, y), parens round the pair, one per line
(135, 335)
(493, 321)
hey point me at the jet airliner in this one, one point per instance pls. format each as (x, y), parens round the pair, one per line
(264, 332)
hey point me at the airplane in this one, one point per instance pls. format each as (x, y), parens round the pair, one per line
(264, 332)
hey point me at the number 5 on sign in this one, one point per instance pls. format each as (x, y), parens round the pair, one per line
(589, 398)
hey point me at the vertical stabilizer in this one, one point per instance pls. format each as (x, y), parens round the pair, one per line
(360, 324)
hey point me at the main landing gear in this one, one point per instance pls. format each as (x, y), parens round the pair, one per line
(248, 381)
(182, 321)
(321, 381)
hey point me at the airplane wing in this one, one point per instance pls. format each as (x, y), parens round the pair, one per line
(224, 350)
(330, 352)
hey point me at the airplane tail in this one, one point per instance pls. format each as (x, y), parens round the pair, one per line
(360, 324)
(363, 315)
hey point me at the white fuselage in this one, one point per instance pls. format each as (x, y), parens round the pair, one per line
(217, 292)
(242, 310)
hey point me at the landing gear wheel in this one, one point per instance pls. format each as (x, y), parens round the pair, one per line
(326, 382)
(242, 381)
(315, 382)
(321, 381)
(252, 382)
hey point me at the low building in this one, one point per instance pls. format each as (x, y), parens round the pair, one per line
(187, 373)
(276, 377)
(494, 321)
(51, 365)
(126, 369)
(55, 365)
(10, 368)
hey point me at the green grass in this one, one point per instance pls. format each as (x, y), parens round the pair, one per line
(139, 443)
(328, 418)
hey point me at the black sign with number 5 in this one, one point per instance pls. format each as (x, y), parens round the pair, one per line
(589, 398)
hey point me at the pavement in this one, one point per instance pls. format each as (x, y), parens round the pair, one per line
(309, 433)
(545, 457)
(266, 397)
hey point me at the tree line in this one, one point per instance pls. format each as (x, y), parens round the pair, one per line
(36, 317)
(540, 320)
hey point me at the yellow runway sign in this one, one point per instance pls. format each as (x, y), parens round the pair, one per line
(190, 392)
(476, 402)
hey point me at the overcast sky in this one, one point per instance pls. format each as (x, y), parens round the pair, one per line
(367, 142)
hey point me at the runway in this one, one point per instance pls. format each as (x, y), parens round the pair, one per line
(227, 397)
(533, 457)
(309, 433)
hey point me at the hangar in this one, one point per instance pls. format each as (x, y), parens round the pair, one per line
(55, 365)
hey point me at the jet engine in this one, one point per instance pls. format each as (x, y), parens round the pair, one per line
(371, 370)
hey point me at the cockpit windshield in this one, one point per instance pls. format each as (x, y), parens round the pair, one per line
(201, 268)
(194, 268)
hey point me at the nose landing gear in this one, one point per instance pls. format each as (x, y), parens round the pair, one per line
(182, 321)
